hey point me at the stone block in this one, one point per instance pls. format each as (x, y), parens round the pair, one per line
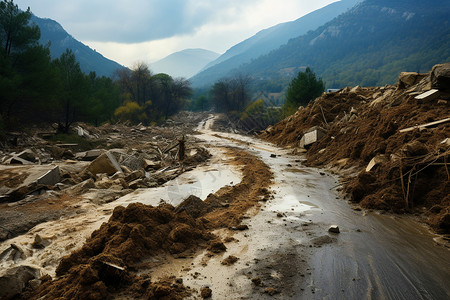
(52, 177)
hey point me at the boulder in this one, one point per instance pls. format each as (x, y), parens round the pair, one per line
(81, 187)
(150, 164)
(334, 229)
(14, 280)
(105, 163)
(408, 79)
(440, 77)
(89, 155)
(135, 175)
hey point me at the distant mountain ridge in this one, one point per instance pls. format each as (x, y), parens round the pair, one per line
(89, 59)
(267, 40)
(369, 45)
(185, 63)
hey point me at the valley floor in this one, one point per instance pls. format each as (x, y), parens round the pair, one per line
(269, 216)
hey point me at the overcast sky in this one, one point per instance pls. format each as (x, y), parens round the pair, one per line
(129, 31)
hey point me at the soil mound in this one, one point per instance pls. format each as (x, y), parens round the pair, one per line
(397, 136)
(108, 262)
(132, 234)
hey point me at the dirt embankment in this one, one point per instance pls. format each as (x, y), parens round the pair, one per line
(109, 262)
(400, 168)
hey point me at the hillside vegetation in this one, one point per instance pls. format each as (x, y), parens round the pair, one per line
(366, 46)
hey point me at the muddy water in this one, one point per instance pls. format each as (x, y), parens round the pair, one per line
(375, 256)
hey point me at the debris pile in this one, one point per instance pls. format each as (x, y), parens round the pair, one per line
(35, 171)
(109, 262)
(391, 143)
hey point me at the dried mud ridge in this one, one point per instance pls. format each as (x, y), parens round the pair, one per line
(391, 143)
(116, 260)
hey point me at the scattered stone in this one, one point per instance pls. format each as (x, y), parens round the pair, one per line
(241, 227)
(13, 281)
(229, 260)
(257, 281)
(273, 155)
(408, 79)
(138, 174)
(271, 291)
(206, 292)
(40, 242)
(217, 247)
(334, 229)
(105, 163)
(82, 187)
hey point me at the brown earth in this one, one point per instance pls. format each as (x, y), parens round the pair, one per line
(109, 261)
(362, 123)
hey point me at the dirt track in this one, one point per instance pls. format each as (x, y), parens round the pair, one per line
(276, 237)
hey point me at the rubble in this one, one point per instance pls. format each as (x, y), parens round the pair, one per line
(13, 281)
(391, 154)
(110, 162)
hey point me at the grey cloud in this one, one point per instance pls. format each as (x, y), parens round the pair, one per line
(132, 21)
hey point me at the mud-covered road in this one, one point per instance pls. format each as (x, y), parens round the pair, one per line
(288, 246)
(287, 251)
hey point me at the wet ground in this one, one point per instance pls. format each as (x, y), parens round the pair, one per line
(287, 252)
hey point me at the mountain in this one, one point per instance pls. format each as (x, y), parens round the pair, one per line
(368, 45)
(185, 63)
(89, 59)
(267, 40)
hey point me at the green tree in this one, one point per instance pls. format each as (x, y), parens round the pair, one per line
(231, 94)
(71, 90)
(15, 33)
(302, 89)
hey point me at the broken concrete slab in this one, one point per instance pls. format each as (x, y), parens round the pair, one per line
(89, 155)
(429, 95)
(52, 177)
(312, 135)
(105, 163)
(18, 161)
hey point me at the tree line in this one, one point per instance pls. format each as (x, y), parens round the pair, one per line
(34, 88)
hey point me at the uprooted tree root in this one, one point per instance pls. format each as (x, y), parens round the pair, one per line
(107, 263)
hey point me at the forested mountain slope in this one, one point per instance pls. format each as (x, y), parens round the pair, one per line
(267, 40)
(368, 46)
(89, 59)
